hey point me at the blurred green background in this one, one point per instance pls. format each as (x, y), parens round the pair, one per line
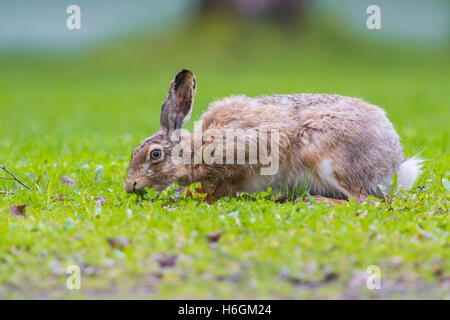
(106, 82)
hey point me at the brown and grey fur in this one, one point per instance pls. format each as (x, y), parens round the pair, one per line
(336, 146)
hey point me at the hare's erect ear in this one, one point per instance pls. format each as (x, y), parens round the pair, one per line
(177, 106)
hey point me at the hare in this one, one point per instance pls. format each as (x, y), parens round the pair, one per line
(335, 146)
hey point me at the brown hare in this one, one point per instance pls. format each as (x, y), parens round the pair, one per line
(334, 146)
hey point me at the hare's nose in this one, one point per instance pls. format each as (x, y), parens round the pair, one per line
(130, 186)
(135, 185)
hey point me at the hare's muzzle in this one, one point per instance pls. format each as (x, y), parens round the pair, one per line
(134, 186)
(129, 186)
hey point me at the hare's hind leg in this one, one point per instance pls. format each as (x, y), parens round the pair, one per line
(336, 182)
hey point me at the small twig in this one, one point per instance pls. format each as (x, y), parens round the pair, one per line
(6, 192)
(84, 202)
(14, 178)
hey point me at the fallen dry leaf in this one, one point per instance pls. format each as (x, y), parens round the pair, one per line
(202, 195)
(60, 197)
(199, 190)
(18, 211)
(213, 236)
(119, 242)
(165, 260)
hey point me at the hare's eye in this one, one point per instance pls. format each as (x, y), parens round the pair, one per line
(155, 154)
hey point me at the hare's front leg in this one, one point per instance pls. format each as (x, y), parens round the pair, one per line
(224, 190)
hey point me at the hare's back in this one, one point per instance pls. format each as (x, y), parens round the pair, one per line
(278, 111)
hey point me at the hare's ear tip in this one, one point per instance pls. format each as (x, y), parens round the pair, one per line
(185, 75)
(185, 72)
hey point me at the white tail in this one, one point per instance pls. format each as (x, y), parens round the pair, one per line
(408, 172)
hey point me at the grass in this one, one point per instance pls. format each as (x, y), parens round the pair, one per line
(80, 115)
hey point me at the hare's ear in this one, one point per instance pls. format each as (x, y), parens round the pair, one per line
(177, 106)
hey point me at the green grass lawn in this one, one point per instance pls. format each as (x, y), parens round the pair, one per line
(81, 115)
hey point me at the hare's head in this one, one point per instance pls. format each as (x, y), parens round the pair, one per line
(151, 163)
